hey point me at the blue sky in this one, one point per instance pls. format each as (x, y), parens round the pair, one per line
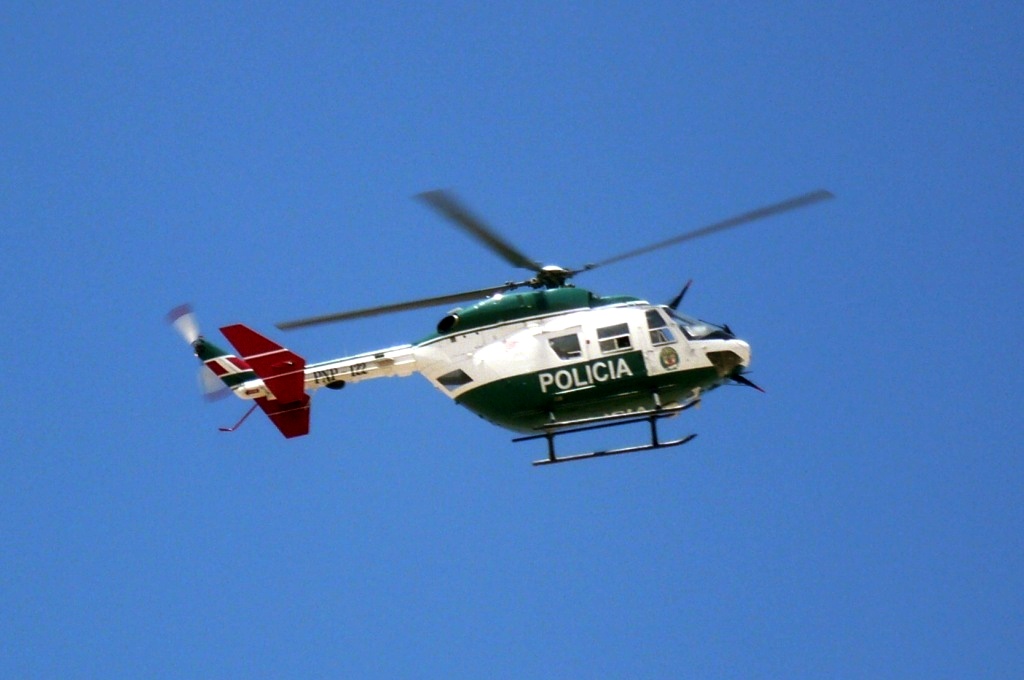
(861, 519)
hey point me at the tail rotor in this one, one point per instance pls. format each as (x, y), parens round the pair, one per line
(183, 318)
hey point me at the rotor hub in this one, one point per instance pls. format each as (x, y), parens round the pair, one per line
(553, 276)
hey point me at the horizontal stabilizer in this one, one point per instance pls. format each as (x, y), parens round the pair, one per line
(283, 374)
(282, 371)
(292, 419)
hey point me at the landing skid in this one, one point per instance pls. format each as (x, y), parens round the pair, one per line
(559, 428)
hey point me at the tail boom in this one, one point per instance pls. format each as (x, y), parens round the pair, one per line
(276, 378)
(397, 361)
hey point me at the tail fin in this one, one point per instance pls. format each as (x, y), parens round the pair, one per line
(223, 365)
(283, 374)
(231, 370)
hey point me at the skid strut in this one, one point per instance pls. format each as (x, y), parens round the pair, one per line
(239, 423)
(557, 429)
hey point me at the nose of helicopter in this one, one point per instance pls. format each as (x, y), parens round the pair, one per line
(742, 348)
(729, 356)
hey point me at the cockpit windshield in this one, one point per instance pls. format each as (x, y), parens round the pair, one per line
(695, 329)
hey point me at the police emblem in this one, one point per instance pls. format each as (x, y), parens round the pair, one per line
(669, 358)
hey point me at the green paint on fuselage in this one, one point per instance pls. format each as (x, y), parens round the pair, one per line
(524, 305)
(581, 390)
(236, 379)
(206, 350)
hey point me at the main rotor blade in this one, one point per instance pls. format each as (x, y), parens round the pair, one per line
(743, 380)
(449, 206)
(745, 218)
(679, 298)
(397, 307)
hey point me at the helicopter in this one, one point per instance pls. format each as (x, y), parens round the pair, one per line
(538, 356)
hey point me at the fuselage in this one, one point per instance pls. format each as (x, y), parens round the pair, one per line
(524, 360)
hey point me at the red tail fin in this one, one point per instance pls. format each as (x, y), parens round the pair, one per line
(292, 419)
(283, 373)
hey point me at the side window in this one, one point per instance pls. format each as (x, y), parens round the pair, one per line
(566, 346)
(614, 338)
(661, 334)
